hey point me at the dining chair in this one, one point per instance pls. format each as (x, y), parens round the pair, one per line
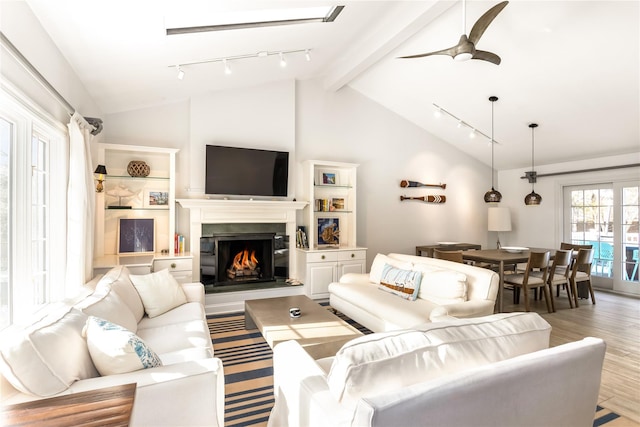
(559, 275)
(455, 256)
(538, 261)
(581, 272)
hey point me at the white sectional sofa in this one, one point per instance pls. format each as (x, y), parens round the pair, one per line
(489, 371)
(443, 289)
(147, 330)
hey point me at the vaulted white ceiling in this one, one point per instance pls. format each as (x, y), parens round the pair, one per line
(571, 66)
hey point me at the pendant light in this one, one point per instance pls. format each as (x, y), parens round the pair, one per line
(494, 195)
(533, 198)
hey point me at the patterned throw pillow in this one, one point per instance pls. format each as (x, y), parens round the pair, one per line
(404, 283)
(116, 350)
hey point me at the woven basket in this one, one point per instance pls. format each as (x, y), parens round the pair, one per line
(138, 168)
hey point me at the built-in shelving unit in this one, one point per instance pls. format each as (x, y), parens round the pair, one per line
(329, 221)
(126, 196)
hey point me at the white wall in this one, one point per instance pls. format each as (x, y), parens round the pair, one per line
(24, 31)
(541, 226)
(347, 126)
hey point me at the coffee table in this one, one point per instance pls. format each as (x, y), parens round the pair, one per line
(319, 331)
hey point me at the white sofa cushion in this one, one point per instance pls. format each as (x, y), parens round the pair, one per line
(47, 356)
(118, 278)
(386, 361)
(400, 282)
(159, 291)
(105, 303)
(443, 286)
(116, 350)
(375, 274)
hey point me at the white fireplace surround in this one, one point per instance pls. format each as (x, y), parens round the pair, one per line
(219, 211)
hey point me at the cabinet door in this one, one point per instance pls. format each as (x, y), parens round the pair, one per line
(350, 267)
(319, 276)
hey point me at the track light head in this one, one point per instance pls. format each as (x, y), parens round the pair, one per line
(283, 63)
(307, 55)
(227, 68)
(180, 73)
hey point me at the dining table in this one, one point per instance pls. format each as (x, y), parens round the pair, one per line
(500, 258)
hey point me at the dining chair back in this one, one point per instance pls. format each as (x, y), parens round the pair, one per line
(455, 256)
(559, 274)
(538, 262)
(581, 272)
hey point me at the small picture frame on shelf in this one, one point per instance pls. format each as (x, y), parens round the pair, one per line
(156, 199)
(338, 204)
(327, 177)
(328, 232)
(136, 236)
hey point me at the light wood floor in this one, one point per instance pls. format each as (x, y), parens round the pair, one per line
(615, 319)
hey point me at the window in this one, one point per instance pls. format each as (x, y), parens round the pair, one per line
(32, 234)
(606, 217)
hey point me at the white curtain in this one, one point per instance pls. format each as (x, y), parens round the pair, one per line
(80, 204)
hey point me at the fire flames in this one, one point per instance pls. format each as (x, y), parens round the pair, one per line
(245, 261)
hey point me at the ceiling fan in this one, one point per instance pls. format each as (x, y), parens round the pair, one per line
(466, 47)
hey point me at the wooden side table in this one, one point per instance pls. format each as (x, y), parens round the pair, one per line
(109, 406)
(428, 249)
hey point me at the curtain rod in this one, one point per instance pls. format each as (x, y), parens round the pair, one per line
(95, 122)
(606, 168)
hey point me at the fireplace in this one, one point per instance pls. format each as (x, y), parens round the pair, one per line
(237, 258)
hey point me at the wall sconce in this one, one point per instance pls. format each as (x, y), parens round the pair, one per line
(100, 175)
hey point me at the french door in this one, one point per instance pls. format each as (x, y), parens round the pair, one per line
(606, 217)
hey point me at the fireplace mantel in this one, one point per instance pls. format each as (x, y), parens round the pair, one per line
(217, 211)
(220, 211)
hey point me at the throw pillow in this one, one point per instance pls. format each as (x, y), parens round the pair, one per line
(362, 367)
(116, 350)
(443, 287)
(105, 303)
(50, 354)
(378, 264)
(159, 291)
(404, 283)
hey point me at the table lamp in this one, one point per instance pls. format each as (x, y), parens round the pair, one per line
(499, 220)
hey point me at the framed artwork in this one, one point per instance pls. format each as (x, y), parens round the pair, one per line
(156, 199)
(136, 236)
(338, 204)
(328, 231)
(327, 177)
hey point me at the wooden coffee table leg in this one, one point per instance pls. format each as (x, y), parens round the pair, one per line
(249, 323)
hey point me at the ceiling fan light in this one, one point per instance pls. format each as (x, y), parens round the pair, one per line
(464, 56)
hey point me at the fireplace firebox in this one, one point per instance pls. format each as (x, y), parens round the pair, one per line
(235, 258)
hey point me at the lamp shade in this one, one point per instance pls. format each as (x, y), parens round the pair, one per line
(101, 170)
(499, 219)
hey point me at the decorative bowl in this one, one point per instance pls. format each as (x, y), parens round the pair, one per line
(138, 168)
(515, 249)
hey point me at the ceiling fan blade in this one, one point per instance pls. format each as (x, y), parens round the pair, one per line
(481, 24)
(486, 56)
(450, 51)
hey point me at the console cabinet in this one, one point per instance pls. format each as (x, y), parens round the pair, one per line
(329, 221)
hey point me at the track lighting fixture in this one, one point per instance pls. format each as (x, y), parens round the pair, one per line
(493, 195)
(473, 131)
(226, 60)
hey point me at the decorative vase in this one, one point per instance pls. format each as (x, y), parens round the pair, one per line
(138, 168)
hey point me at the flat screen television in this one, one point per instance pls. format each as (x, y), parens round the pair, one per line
(246, 171)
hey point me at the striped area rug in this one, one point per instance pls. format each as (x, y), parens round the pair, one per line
(248, 371)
